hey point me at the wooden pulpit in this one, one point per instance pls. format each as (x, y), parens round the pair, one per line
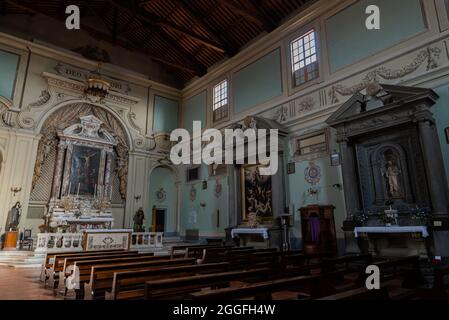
(10, 242)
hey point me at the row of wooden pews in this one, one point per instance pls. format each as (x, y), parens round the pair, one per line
(207, 272)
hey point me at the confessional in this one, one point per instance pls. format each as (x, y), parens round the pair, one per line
(318, 229)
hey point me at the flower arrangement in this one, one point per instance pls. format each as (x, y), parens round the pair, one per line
(388, 218)
(422, 214)
(359, 217)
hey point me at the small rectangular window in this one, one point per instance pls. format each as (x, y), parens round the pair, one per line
(193, 174)
(304, 58)
(220, 101)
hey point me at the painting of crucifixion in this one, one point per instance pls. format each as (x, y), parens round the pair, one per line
(84, 169)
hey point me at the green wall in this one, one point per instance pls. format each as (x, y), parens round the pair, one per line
(194, 109)
(441, 113)
(206, 217)
(349, 40)
(8, 71)
(258, 82)
(163, 178)
(165, 116)
(328, 195)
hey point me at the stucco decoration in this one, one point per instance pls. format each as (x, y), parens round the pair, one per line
(218, 189)
(69, 116)
(312, 174)
(161, 195)
(428, 56)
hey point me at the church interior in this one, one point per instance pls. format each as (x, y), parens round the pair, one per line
(354, 93)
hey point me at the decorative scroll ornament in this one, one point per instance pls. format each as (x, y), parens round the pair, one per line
(43, 99)
(161, 195)
(429, 55)
(218, 189)
(192, 193)
(312, 174)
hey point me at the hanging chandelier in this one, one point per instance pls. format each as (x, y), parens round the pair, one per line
(97, 86)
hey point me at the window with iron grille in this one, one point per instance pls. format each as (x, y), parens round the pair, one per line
(304, 58)
(220, 101)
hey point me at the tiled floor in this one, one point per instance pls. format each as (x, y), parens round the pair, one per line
(22, 284)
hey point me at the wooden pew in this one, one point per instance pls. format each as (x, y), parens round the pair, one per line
(84, 264)
(180, 288)
(131, 284)
(49, 257)
(253, 258)
(406, 269)
(359, 294)
(211, 255)
(185, 248)
(101, 276)
(440, 289)
(257, 291)
(303, 287)
(198, 252)
(59, 260)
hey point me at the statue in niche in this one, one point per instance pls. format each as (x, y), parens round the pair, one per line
(138, 220)
(392, 177)
(14, 217)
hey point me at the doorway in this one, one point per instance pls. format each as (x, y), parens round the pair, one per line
(160, 220)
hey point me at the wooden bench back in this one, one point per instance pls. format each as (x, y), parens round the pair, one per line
(408, 268)
(211, 255)
(62, 262)
(101, 276)
(131, 284)
(49, 258)
(179, 288)
(359, 294)
(346, 262)
(185, 248)
(50, 255)
(258, 291)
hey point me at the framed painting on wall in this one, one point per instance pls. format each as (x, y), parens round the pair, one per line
(256, 193)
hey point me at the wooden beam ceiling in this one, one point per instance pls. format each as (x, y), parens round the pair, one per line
(188, 36)
(100, 35)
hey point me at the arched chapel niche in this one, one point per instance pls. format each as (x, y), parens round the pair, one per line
(45, 167)
(163, 200)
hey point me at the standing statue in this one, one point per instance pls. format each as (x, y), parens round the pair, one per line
(14, 217)
(138, 220)
(391, 174)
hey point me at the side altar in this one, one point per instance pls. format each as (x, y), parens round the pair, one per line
(82, 190)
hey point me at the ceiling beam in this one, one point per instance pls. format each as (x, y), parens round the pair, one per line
(253, 6)
(243, 12)
(201, 21)
(100, 35)
(155, 20)
(169, 41)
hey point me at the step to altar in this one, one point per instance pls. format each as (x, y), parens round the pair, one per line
(21, 259)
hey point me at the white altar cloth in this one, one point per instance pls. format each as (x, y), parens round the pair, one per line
(392, 229)
(262, 231)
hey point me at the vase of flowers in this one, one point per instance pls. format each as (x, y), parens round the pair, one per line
(359, 218)
(421, 214)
